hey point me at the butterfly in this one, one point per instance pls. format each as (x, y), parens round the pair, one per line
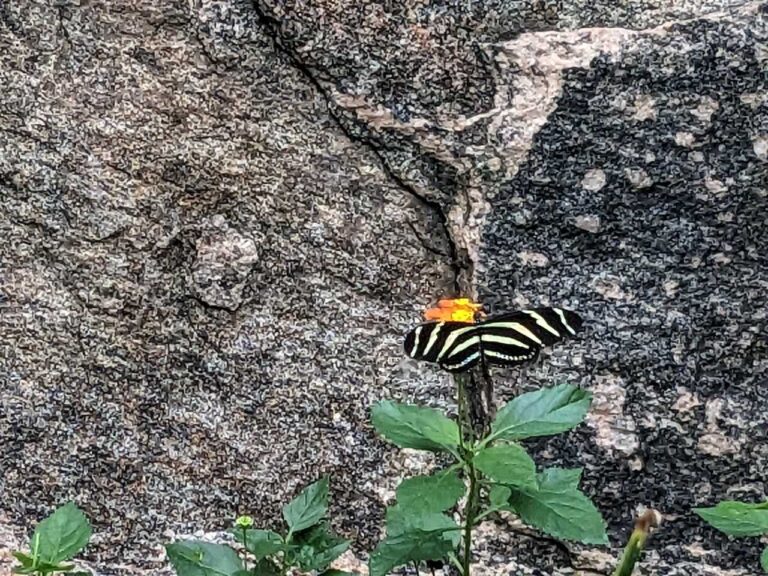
(508, 339)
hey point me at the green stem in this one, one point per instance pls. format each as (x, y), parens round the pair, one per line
(470, 511)
(456, 562)
(283, 556)
(636, 543)
(470, 516)
(36, 551)
(631, 555)
(245, 545)
(461, 402)
(486, 513)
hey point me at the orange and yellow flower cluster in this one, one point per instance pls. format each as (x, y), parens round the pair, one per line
(455, 310)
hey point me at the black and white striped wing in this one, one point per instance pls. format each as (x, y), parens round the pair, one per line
(517, 337)
(453, 345)
(507, 339)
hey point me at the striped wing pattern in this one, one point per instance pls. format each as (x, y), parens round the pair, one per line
(507, 339)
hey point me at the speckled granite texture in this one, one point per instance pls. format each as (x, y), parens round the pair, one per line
(219, 217)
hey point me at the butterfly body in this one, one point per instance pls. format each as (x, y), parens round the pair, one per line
(506, 339)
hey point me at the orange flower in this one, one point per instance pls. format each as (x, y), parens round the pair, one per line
(458, 310)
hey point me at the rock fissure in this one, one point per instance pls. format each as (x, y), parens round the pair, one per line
(456, 262)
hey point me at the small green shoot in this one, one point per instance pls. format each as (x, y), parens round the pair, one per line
(307, 546)
(644, 525)
(57, 539)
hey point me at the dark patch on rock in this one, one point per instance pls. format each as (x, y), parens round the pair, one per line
(673, 279)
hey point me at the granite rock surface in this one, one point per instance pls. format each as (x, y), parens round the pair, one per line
(218, 218)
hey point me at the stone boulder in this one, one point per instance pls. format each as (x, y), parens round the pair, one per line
(219, 218)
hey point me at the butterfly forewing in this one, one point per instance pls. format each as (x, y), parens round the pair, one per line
(508, 339)
(540, 326)
(431, 340)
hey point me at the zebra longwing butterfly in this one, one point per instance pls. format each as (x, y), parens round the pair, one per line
(508, 339)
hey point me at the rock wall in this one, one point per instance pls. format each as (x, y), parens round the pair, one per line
(219, 218)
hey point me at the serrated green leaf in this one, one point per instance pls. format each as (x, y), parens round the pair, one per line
(196, 558)
(402, 520)
(764, 560)
(317, 547)
(560, 509)
(541, 413)
(737, 518)
(435, 493)
(415, 427)
(334, 572)
(411, 546)
(508, 464)
(308, 508)
(564, 478)
(260, 543)
(62, 535)
(499, 497)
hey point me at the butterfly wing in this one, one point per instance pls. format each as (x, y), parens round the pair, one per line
(517, 337)
(441, 342)
(508, 339)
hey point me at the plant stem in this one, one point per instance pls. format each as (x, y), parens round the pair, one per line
(469, 516)
(456, 562)
(634, 549)
(470, 510)
(284, 554)
(245, 545)
(461, 403)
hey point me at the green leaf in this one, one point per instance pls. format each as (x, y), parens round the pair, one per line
(51, 568)
(541, 413)
(411, 546)
(764, 560)
(25, 560)
(196, 558)
(62, 535)
(260, 543)
(308, 508)
(499, 497)
(402, 520)
(737, 518)
(44, 568)
(560, 509)
(565, 478)
(508, 464)
(435, 493)
(333, 572)
(317, 547)
(415, 427)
